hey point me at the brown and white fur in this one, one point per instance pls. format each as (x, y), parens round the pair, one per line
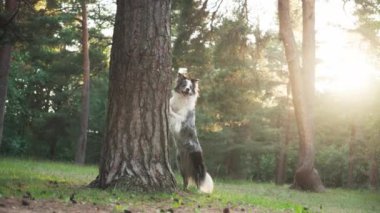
(182, 127)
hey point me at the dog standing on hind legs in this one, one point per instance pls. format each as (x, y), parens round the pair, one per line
(182, 127)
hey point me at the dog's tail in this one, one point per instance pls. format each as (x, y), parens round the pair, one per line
(207, 185)
(202, 179)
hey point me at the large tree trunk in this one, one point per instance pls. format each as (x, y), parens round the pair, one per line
(80, 155)
(306, 176)
(5, 60)
(134, 153)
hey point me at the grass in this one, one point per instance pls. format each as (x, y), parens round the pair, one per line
(58, 181)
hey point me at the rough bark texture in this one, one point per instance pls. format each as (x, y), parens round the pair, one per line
(80, 155)
(306, 176)
(134, 153)
(5, 60)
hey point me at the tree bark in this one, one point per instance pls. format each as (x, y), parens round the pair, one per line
(80, 155)
(306, 176)
(5, 60)
(134, 153)
(308, 69)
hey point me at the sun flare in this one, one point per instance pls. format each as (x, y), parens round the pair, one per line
(344, 70)
(354, 78)
(345, 67)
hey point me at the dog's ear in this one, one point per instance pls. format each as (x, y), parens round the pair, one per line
(181, 76)
(194, 81)
(196, 85)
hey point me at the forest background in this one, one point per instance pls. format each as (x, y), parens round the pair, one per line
(245, 115)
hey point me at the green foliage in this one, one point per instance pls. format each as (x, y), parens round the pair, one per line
(191, 35)
(241, 113)
(333, 175)
(43, 107)
(238, 131)
(369, 24)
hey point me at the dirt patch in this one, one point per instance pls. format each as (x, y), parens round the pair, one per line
(17, 205)
(186, 209)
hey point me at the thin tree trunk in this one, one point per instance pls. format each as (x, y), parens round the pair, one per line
(245, 10)
(351, 155)
(282, 155)
(135, 151)
(306, 176)
(53, 149)
(374, 171)
(308, 72)
(80, 155)
(5, 60)
(231, 161)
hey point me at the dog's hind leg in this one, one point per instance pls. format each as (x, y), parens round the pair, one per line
(185, 182)
(183, 172)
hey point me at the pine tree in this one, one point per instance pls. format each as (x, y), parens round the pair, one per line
(80, 155)
(302, 85)
(134, 153)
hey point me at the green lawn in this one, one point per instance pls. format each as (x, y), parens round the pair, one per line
(58, 181)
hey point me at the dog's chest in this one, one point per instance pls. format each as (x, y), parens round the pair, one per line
(179, 109)
(182, 104)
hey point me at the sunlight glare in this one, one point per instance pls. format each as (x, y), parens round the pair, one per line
(344, 66)
(354, 78)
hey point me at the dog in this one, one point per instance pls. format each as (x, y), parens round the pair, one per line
(182, 127)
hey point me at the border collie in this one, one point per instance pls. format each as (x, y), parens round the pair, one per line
(182, 127)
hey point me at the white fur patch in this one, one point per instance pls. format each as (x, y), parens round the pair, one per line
(180, 105)
(188, 84)
(207, 186)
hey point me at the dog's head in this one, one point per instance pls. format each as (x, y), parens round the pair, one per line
(186, 86)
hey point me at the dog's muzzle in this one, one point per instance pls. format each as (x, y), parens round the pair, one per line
(186, 91)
